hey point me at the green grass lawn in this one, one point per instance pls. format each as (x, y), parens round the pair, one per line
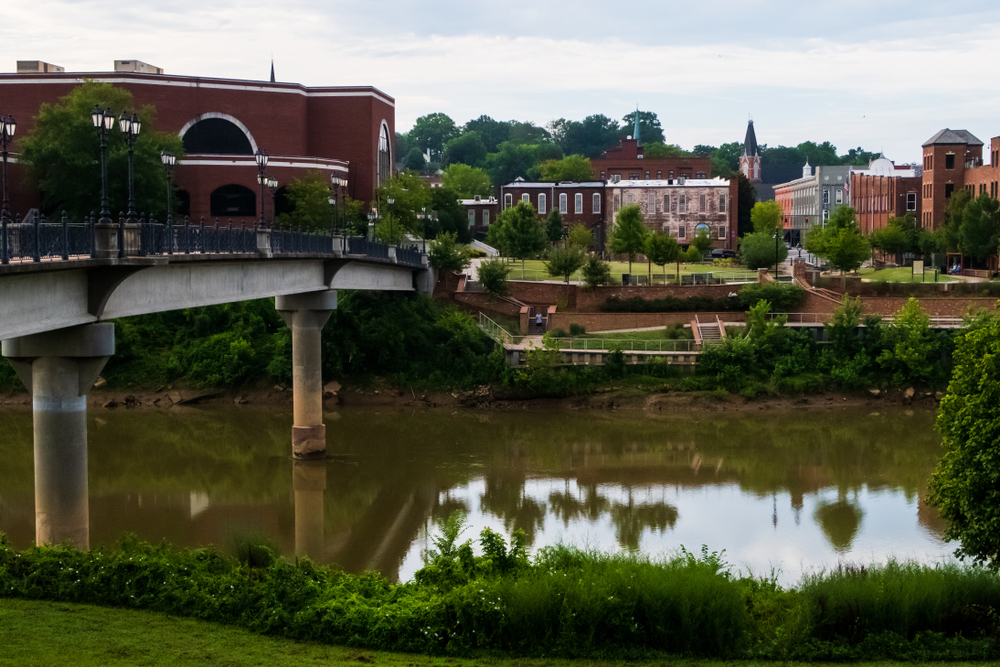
(54, 633)
(902, 274)
(534, 269)
(652, 334)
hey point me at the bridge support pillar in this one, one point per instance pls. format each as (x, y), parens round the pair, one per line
(305, 314)
(309, 483)
(58, 367)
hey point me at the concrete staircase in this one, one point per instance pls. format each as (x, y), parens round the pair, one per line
(709, 333)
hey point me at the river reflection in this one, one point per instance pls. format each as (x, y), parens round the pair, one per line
(792, 491)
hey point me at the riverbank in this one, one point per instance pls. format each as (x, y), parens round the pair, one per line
(617, 396)
(46, 633)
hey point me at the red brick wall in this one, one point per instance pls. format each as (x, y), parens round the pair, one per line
(612, 321)
(549, 293)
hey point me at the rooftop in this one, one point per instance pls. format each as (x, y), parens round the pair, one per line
(946, 136)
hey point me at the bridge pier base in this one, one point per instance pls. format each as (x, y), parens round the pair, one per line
(305, 314)
(58, 367)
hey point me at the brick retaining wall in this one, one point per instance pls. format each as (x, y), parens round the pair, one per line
(611, 321)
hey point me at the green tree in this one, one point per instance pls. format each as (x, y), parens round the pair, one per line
(819, 154)
(493, 275)
(492, 132)
(890, 240)
(580, 237)
(702, 240)
(767, 217)
(466, 181)
(62, 153)
(759, 251)
(660, 150)
(840, 242)
(465, 149)
(589, 137)
(628, 236)
(446, 255)
(746, 197)
(949, 234)
(414, 160)
(510, 161)
(595, 272)
(859, 157)
(966, 485)
(980, 228)
(554, 226)
(726, 159)
(650, 130)
(517, 232)
(410, 195)
(662, 248)
(910, 347)
(564, 262)
(310, 200)
(569, 168)
(449, 215)
(432, 132)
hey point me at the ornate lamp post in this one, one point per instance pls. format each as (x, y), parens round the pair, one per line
(129, 126)
(272, 184)
(390, 201)
(168, 159)
(261, 157)
(104, 121)
(372, 217)
(423, 221)
(337, 183)
(7, 127)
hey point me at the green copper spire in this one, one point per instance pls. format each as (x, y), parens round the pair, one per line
(636, 125)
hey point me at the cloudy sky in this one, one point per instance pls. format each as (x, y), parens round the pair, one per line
(881, 74)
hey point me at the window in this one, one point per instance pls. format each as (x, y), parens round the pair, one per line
(618, 202)
(948, 189)
(602, 175)
(508, 200)
(682, 204)
(628, 198)
(722, 231)
(217, 136)
(647, 174)
(826, 197)
(659, 175)
(384, 156)
(666, 203)
(526, 198)
(578, 203)
(701, 203)
(682, 230)
(840, 196)
(542, 204)
(233, 201)
(563, 205)
(597, 203)
(650, 204)
(722, 203)
(633, 177)
(472, 217)
(670, 173)
(486, 217)
(949, 161)
(700, 174)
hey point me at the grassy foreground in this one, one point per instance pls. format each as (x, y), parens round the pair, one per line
(56, 633)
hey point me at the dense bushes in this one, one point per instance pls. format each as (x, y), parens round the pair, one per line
(562, 602)
(783, 297)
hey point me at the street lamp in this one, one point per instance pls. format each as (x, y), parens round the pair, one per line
(372, 216)
(261, 157)
(7, 127)
(168, 159)
(390, 201)
(423, 220)
(129, 126)
(272, 184)
(104, 121)
(337, 183)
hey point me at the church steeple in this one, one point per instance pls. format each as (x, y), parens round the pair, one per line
(636, 134)
(750, 157)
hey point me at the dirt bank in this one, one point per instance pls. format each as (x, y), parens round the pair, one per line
(607, 398)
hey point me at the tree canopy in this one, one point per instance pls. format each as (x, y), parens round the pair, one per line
(628, 236)
(432, 132)
(839, 242)
(310, 199)
(650, 131)
(766, 217)
(662, 248)
(569, 168)
(762, 250)
(517, 232)
(467, 149)
(62, 155)
(446, 255)
(466, 181)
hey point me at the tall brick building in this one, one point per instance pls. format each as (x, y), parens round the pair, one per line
(951, 158)
(346, 131)
(884, 190)
(628, 163)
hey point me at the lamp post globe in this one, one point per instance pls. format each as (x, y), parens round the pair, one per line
(130, 126)
(261, 158)
(168, 159)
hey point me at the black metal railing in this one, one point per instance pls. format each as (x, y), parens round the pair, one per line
(39, 239)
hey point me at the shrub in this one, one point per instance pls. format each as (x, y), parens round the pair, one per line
(557, 333)
(577, 330)
(671, 305)
(595, 272)
(784, 297)
(757, 250)
(493, 275)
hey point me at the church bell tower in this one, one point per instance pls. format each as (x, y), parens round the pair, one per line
(750, 157)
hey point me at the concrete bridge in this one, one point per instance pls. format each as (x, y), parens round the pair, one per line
(60, 284)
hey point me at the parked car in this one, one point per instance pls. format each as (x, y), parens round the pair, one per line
(723, 253)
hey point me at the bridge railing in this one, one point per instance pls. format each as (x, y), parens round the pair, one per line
(41, 239)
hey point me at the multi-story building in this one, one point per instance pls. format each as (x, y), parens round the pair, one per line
(480, 213)
(884, 190)
(953, 160)
(627, 163)
(681, 206)
(343, 132)
(577, 202)
(809, 201)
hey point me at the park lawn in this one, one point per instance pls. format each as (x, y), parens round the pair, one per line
(34, 633)
(534, 269)
(650, 334)
(902, 274)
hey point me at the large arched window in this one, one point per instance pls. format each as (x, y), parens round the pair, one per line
(217, 136)
(232, 201)
(384, 155)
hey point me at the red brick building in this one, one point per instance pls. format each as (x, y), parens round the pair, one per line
(577, 203)
(885, 190)
(627, 163)
(953, 159)
(481, 213)
(347, 132)
(985, 178)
